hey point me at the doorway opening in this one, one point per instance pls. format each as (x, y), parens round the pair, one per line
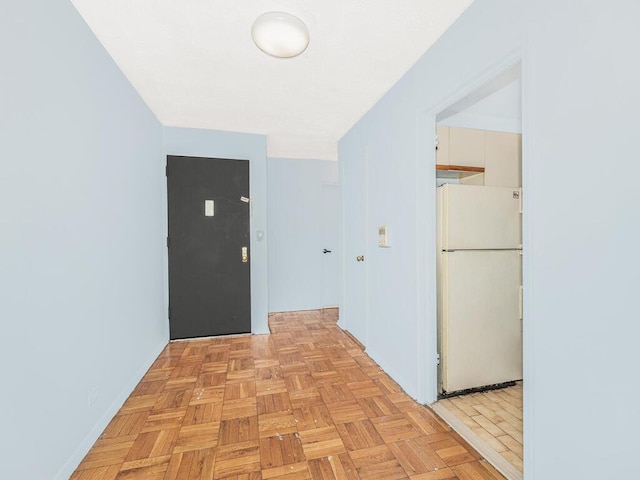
(479, 269)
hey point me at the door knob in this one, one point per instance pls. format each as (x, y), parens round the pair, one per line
(326, 251)
(360, 258)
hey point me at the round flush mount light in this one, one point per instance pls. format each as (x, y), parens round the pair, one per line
(280, 34)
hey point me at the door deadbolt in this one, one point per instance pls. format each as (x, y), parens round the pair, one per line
(245, 255)
(360, 258)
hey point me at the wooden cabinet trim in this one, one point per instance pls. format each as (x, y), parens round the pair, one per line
(460, 168)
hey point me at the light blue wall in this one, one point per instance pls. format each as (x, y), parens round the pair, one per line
(241, 146)
(399, 145)
(81, 238)
(295, 219)
(581, 101)
(580, 98)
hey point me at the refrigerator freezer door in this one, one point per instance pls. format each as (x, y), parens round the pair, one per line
(477, 217)
(481, 336)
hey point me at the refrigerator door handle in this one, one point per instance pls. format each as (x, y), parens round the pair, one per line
(520, 201)
(521, 302)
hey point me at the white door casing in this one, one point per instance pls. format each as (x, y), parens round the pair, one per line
(355, 314)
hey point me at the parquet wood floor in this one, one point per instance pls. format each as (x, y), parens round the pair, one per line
(304, 402)
(495, 418)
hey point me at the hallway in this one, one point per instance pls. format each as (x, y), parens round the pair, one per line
(302, 403)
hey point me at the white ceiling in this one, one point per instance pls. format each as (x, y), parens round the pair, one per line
(195, 65)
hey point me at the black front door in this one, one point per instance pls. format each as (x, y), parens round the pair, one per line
(209, 267)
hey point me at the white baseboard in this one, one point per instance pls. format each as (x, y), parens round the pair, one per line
(72, 463)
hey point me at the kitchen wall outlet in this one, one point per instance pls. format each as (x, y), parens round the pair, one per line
(93, 396)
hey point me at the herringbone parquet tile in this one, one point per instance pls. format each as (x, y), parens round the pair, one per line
(302, 403)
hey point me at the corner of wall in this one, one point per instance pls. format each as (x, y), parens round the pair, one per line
(72, 463)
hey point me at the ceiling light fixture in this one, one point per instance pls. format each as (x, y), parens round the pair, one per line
(280, 34)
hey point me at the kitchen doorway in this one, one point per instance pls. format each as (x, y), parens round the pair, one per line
(479, 269)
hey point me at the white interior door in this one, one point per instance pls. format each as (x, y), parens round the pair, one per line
(481, 326)
(354, 315)
(330, 246)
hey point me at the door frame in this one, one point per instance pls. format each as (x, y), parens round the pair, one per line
(343, 315)
(214, 144)
(426, 221)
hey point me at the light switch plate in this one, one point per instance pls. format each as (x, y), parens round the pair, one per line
(383, 236)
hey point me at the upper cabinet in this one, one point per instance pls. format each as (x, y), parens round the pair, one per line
(453, 167)
(479, 157)
(502, 159)
(466, 147)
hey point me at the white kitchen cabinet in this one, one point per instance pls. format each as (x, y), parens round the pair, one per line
(466, 147)
(502, 159)
(465, 153)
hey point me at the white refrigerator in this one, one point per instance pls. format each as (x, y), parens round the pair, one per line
(479, 262)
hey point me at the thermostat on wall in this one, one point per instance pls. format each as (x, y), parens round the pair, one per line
(383, 238)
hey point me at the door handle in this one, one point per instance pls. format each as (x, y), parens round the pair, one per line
(326, 251)
(245, 255)
(360, 258)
